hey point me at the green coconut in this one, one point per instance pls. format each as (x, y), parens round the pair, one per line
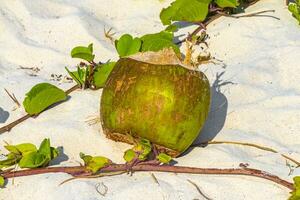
(156, 99)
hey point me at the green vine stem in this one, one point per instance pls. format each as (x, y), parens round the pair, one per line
(81, 171)
(11, 125)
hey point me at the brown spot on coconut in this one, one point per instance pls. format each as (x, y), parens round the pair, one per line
(167, 103)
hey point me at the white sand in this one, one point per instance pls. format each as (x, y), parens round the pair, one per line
(262, 60)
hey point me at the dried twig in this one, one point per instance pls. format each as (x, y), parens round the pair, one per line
(255, 14)
(13, 97)
(109, 35)
(198, 189)
(248, 144)
(154, 178)
(11, 125)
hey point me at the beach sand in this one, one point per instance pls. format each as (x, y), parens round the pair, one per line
(255, 98)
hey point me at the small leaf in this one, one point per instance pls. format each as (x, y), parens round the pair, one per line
(129, 155)
(101, 74)
(159, 41)
(95, 163)
(185, 10)
(127, 45)
(85, 53)
(295, 194)
(33, 160)
(26, 148)
(227, 3)
(164, 158)
(85, 158)
(143, 148)
(21, 149)
(75, 76)
(45, 148)
(2, 181)
(294, 8)
(41, 96)
(11, 159)
(39, 158)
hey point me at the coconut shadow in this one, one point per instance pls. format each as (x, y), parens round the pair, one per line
(216, 116)
(3, 115)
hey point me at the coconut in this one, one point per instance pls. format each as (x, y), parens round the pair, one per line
(154, 96)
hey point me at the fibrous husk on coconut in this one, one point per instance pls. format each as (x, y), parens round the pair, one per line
(154, 96)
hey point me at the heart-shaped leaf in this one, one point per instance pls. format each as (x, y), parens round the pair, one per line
(227, 3)
(185, 10)
(101, 74)
(41, 96)
(159, 41)
(127, 45)
(85, 53)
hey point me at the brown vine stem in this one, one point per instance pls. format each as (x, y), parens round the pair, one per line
(11, 125)
(79, 170)
(251, 145)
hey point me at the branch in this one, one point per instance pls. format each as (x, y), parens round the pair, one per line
(82, 171)
(11, 125)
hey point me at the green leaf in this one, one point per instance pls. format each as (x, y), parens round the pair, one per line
(127, 45)
(227, 3)
(129, 155)
(41, 96)
(21, 149)
(101, 74)
(2, 181)
(159, 41)
(94, 163)
(171, 28)
(11, 159)
(33, 160)
(295, 194)
(164, 158)
(75, 76)
(143, 148)
(39, 158)
(85, 53)
(294, 8)
(85, 158)
(185, 10)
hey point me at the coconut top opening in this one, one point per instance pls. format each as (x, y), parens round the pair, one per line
(165, 56)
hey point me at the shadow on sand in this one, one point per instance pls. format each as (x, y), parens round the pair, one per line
(3, 115)
(217, 114)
